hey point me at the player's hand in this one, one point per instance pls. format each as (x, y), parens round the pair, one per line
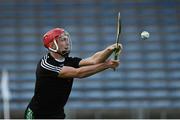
(112, 63)
(115, 47)
(118, 48)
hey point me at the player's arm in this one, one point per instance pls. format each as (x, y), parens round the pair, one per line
(85, 71)
(100, 56)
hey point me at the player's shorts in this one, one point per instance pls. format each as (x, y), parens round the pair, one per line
(29, 114)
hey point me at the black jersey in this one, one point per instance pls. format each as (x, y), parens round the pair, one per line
(51, 92)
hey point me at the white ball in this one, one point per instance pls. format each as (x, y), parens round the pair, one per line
(145, 35)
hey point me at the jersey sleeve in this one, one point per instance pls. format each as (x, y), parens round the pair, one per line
(75, 61)
(48, 68)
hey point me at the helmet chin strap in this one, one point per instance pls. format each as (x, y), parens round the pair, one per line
(54, 50)
(65, 54)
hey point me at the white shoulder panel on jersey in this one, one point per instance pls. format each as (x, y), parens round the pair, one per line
(48, 66)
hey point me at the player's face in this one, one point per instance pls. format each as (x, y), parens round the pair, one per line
(64, 44)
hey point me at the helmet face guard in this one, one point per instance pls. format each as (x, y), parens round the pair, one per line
(57, 35)
(65, 38)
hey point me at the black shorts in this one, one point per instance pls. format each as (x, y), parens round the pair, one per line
(29, 114)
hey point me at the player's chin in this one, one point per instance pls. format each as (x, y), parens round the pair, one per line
(65, 53)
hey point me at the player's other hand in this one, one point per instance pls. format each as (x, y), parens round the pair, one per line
(115, 47)
(112, 63)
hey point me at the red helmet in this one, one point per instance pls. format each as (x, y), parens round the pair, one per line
(51, 35)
